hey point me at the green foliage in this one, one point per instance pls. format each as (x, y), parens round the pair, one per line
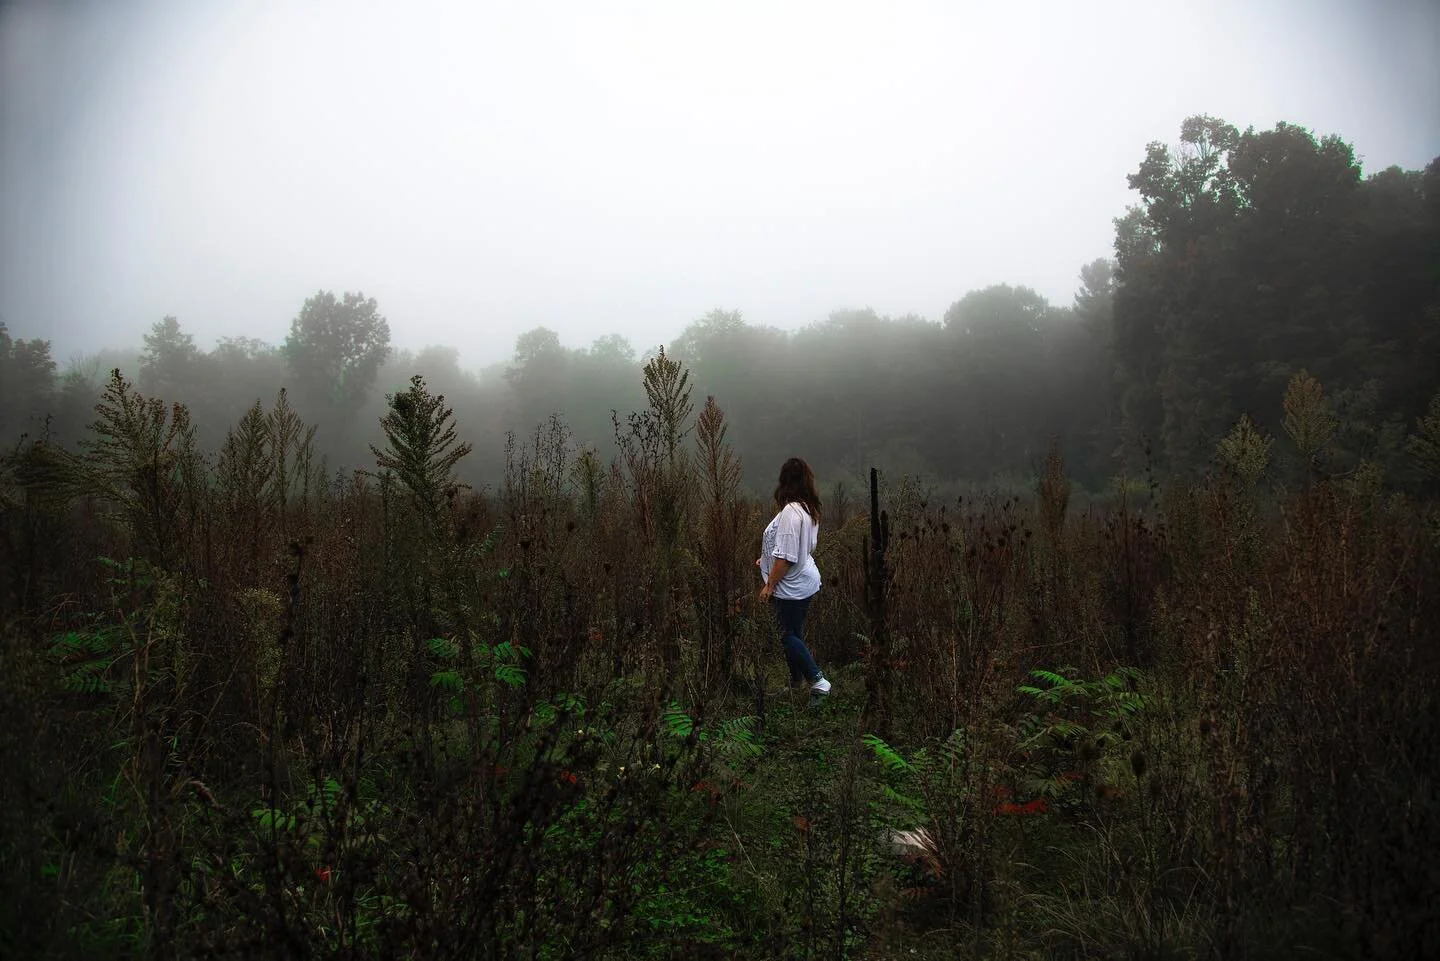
(931, 786)
(444, 648)
(698, 904)
(170, 357)
(204, 761)
(735, 738)
(1254, 255)
(90, 656)
(321, 811)
(423, 447)
(1245, 451)
(677, 722)
(667, 387)
(458, 671)
(732, 739)
(292, 445)
(142, 458)
(335, 348)
(1308, 420)
(27, 382)
(86, 658)
(128, 575)
(561, 705)
(621, 821)
(1076, 726)
(890, 758)
(1425, 442)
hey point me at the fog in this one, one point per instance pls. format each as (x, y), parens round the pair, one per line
(388, 390)
(482, 169)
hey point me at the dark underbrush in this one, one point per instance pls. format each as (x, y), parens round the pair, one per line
(252, 710)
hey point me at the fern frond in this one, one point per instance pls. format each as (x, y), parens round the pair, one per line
(677, 722)
(447, 681)
(909, 802)
(511, 675)
(735, 738)
(443, 647)
(887, 755)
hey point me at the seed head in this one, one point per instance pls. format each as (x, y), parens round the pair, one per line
(1137, 762)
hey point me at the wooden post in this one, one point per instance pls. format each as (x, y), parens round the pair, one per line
(878, 674)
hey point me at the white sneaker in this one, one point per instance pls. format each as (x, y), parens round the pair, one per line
(821, 687)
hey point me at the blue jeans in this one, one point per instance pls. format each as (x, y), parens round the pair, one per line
(791, 616)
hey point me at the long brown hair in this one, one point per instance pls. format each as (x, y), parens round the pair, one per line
(797, 486)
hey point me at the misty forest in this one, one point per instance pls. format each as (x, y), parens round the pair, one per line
(325, 648)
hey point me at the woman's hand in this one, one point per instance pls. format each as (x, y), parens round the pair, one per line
(778, 567)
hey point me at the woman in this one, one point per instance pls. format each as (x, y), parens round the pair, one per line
(788, 569)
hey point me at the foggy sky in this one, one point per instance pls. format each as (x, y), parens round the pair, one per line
(482, 169)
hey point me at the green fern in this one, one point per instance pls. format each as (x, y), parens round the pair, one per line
(570, 705)
(87, 679)
(1055, 678)
(502, 662)
(1059, 687)
(508, 670)
(888, 757)
(320, 798)
(511, 675)
(85, 657)
(274, 820)
(129, 573)
(907, 802)
(449, 681)
(677, 722)
(506, 651)
(444, 648)
(1079, 724)
(735, 738)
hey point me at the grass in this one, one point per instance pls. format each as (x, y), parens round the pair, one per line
(541, 722)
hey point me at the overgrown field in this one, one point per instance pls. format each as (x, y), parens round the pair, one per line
(254, 711)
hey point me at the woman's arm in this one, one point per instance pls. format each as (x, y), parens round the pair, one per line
(778, 567)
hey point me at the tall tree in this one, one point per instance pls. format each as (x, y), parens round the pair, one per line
(244, 370)
(1188, 197)
(999, 343)
(612, 349)
(167, 367)
(698, 342)
(27, 381)
(1252, 256)
(537, 377)
(860, 379)
(335, 349)
(1090, 388)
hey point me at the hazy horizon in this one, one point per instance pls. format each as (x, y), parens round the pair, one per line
(484, 170)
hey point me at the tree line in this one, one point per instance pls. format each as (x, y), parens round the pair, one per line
(1248, 257)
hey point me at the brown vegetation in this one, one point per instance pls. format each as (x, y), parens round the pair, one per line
(254, 710)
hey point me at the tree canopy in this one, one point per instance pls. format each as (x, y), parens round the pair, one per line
(335, 348)
(1247, 257)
